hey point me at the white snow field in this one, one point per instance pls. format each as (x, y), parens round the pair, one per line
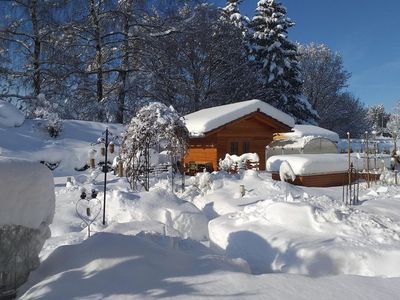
(278, 241)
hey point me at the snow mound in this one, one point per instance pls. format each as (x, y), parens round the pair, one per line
(10, 116)
(179, 217)
(316, 237)
(27, 193)
(113, 265)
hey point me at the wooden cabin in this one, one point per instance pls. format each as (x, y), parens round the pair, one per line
(238, 128)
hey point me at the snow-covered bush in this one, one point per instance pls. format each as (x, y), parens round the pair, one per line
(27, 205)
(233, 162)
(154, 126)
(47, 110)
(53, 125)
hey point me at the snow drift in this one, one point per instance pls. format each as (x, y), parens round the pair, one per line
(10, 116)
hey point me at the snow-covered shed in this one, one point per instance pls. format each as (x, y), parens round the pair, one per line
(236, 128)
(304, 139)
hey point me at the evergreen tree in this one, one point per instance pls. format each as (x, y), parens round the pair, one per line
(277, 60)
(231, 13)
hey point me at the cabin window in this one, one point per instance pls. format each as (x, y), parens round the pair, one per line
(246, 147)
(234, 148)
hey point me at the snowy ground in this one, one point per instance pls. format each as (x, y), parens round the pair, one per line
(277, 242)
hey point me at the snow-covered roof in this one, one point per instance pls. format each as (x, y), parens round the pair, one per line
(205, 120)
(300, 131)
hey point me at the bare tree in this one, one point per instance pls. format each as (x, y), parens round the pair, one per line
(204, 64)
(26, 26)
(323, 75)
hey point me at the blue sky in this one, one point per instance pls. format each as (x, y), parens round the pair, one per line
(365, 32)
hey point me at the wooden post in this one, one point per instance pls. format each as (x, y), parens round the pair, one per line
(112, 147)
(349, 162)
(92, 163)
(120, 169)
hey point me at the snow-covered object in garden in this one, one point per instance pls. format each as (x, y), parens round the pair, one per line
(155, 124)
(300, 131)
(46, 110)
(286, 172)
(205, 120)
(27, 193)
(231, 161)
(27, 205)
(10, 116)
(301, 145)
(308, 164)
(305, 139)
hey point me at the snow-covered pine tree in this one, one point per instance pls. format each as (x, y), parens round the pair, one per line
(231, 13)
(155, 125)
(277, 59)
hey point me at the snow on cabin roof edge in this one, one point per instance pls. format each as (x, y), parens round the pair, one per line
(205, 120)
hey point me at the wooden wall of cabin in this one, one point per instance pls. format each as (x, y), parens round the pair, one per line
(202, 150)
(251, 134)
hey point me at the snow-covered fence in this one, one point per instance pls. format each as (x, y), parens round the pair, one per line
(233, 163)
(27, 204)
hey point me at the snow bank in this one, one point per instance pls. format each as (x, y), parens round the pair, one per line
(300, 131)
(316, 237)
(27, 193)
(205, 120)
(69, 151)
(10, 116)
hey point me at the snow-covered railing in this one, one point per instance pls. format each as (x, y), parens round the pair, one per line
(233, 163)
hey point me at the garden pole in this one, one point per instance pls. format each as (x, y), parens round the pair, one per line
(105, 178)
(349, 161)
(367, 152)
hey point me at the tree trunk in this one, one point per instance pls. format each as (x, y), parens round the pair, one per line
(36, 49)
(99, 56)
(123, 74)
